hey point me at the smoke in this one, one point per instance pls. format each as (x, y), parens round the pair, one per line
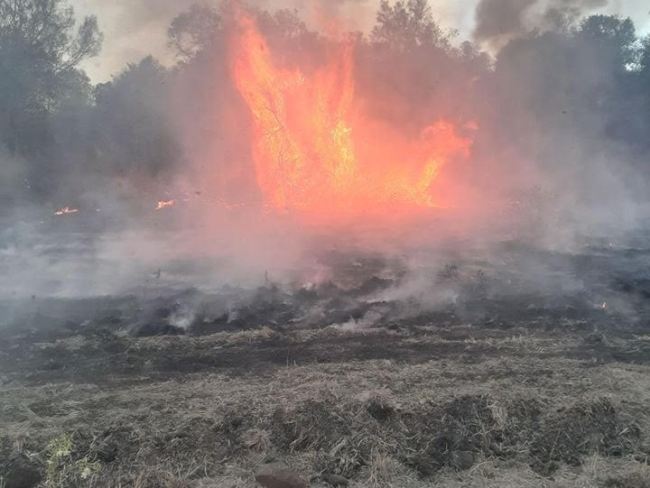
(499, 21)
(135, 30)
(555, 163)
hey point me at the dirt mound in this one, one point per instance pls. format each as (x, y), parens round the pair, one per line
(339, 433)
(455, 435)
(313, 425)
(19, 471)
(583, 429)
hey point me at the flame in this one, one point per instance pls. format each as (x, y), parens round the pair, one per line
(314, 149)
(66, 211)
(163, 204)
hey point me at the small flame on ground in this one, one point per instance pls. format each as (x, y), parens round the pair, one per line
(66, 211)
(163, 204)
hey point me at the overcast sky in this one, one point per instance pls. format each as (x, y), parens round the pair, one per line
(134, 29)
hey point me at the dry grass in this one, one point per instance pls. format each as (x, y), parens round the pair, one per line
(382, 471)
(158, 479)
(363, 419)
(256, 440)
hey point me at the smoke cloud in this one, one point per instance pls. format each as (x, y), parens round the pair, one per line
(499, 21)
(136, 29)
(157, 163)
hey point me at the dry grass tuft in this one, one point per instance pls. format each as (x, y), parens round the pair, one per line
(635, 476)
(256, 440)
(158, 479)
(382, 470)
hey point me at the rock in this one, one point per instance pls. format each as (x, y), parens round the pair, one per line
(462, 460)
(274, 476)
(20, 472)
(334, 480)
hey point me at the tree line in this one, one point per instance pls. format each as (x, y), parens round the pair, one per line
(558, 96)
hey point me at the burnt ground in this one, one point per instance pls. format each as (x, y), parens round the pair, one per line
(508, 378)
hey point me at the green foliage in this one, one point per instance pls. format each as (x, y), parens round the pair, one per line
(64, 468)
(39, 53)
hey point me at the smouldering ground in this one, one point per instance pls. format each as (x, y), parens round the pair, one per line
(520, 395)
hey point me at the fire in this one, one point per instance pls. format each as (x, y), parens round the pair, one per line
(317, 153)
(66, 211)
(163, 204)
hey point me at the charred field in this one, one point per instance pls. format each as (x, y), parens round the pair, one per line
(503, 380)
(316, 243)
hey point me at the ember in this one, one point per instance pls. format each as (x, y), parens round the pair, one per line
(66, 211)
(163, 204)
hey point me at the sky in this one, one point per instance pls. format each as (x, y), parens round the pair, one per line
(134, 29)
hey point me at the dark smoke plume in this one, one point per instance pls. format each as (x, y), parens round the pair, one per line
(499, 21)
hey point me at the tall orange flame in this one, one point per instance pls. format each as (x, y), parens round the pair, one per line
(316, 153)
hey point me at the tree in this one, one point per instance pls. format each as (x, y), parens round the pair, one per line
(644, 58)
(639, 108)
(40, 50)
(407, 24)
(613, 37)
(193, 31)
(45, 27)
(133, 125)
(410, 69)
